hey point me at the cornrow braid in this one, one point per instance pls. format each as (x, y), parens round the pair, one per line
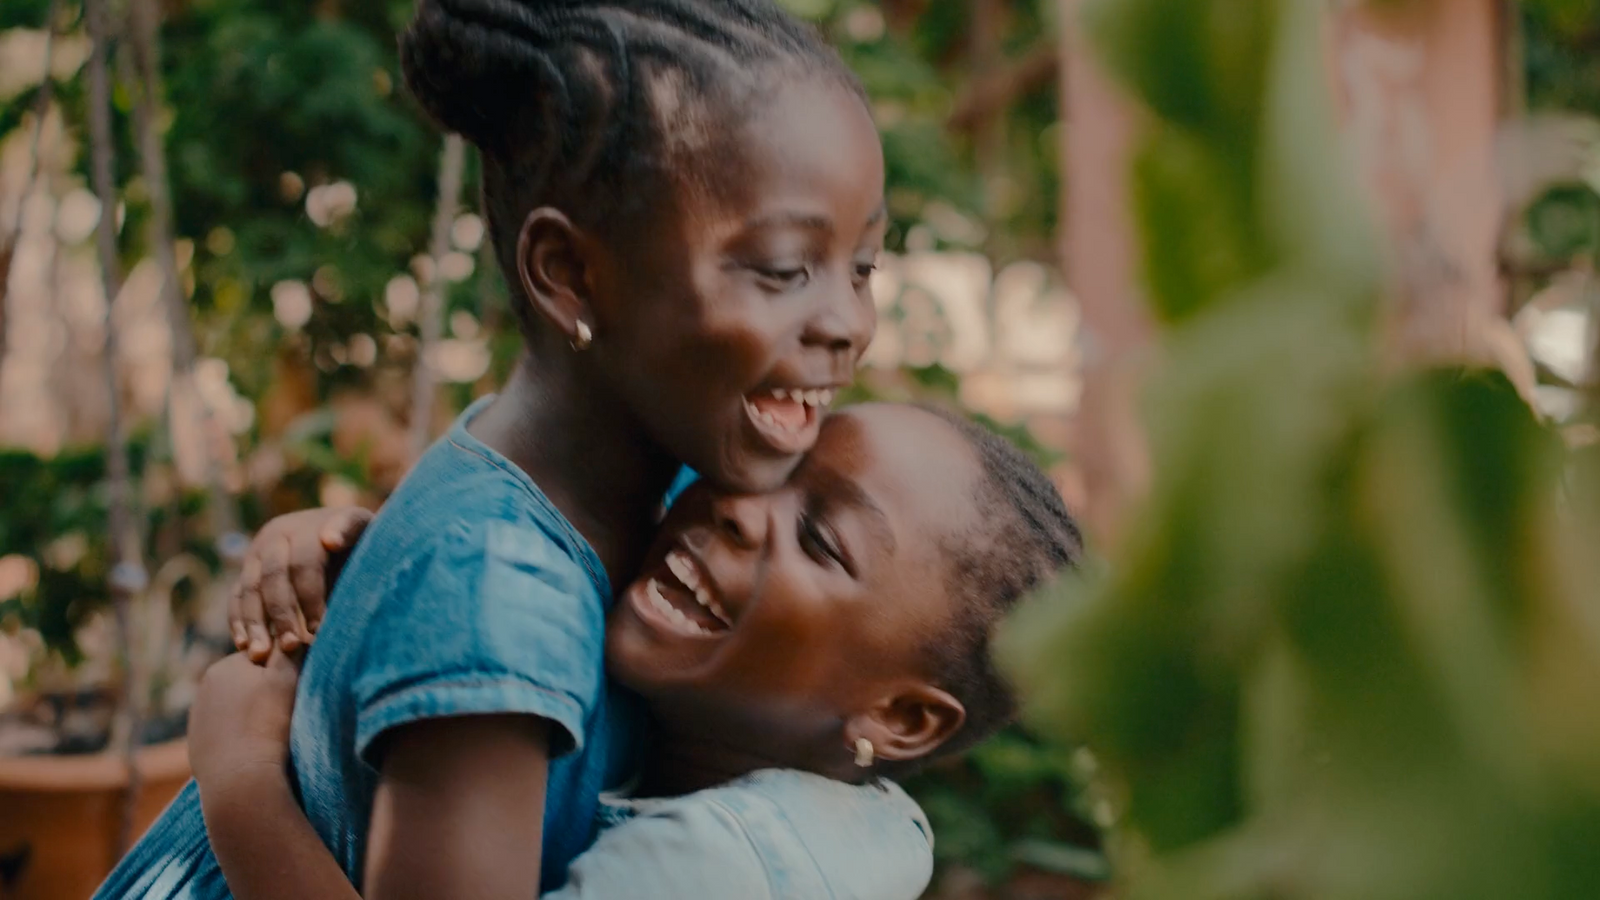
(1027, 537)
(598, 109)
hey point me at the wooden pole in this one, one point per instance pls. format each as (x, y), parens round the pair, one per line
(128, 577)
(183, 397)
(1100, 256)
(1422, 93)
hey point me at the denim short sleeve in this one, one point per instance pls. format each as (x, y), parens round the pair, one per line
(496, 619)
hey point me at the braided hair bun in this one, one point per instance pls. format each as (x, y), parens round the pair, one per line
(584, 105)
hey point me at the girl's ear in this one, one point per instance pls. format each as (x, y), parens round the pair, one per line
(908, 724)
(554, 266)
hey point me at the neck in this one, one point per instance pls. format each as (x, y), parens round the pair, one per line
(679, 763)
(675, 767)
(586, 454)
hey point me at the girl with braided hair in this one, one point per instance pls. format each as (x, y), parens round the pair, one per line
(686, 197)
(795, 649)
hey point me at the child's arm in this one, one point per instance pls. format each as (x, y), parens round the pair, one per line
(238, 746)
(286, 577)
(463, 746)
(459, 812)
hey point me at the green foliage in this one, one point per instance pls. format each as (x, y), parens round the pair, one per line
(55, 516)
(1010, 801)
(1560, 37)
(1565, 223)
(1559, 42)
(1341, 651)
(914, 75)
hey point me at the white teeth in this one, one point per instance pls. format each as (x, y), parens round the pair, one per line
(684, 569)
(704, 598)
(687, 573)
(820, 397)
(665, 607)
(657, 599)
(720, 613)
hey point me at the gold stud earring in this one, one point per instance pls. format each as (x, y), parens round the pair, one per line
(864, 753)
(585, 337)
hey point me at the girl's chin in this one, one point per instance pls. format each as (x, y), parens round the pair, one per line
(753, 473)
(645, 660)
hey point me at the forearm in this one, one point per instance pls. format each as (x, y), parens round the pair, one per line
(266, 845)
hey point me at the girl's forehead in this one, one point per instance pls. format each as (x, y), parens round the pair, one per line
(802, 142)
(911, 463)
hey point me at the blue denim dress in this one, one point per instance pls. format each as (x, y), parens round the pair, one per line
(468, 594)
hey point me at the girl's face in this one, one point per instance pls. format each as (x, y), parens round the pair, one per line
(731, 326)
(771, 619)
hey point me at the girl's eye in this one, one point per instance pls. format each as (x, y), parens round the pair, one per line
(864, 271)
(817, 543)
(784, 277)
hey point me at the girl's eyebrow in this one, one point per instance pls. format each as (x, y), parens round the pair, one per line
(836, 490)
(810, 221)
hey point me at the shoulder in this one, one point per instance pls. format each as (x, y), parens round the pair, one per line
(684, 848)
(868, 841)
(485, 614)
(773, 835)
(475, 565)
(461, 493)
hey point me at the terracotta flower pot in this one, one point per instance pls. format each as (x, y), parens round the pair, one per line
(58, 829)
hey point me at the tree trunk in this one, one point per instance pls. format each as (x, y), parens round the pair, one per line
(1422, 90)
(183, 399)
(1100, 256)
(127, 578)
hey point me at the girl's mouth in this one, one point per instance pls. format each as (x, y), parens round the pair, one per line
(681, 599)
(788, 419)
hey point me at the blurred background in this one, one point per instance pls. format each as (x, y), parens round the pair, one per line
(1295, 299)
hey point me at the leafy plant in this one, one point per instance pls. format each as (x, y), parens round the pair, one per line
(1340, 652)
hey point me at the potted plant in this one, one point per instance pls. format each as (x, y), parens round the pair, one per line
(91, 726)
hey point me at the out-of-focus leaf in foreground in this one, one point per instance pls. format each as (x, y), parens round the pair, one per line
(1350, 646)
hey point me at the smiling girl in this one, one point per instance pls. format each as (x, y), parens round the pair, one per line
(686, 199)
(792, 648)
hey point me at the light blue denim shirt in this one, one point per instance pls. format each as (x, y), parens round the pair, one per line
(469, 593)
(777, 834)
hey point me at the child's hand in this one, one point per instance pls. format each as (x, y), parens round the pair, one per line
(239, 723)
(284, 582)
